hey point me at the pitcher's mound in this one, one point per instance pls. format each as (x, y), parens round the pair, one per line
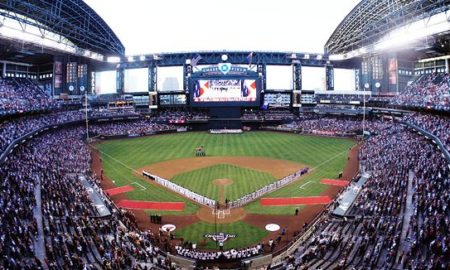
(206, 214)
(223, 182)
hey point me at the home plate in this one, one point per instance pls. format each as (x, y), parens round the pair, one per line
(272, 227)
(168, 227)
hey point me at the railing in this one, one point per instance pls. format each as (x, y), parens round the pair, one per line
(432, 137)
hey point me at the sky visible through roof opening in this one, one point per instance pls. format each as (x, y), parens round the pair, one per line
(146, 26)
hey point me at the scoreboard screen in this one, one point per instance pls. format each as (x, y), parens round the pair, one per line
(105, 82)
(222, 91)
(135, 80)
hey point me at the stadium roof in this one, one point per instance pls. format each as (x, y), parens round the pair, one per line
(371, 19)
(72, 19)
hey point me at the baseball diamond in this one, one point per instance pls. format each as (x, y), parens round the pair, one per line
(250, 161)
(201, 135)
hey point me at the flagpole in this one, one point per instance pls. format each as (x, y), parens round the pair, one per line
(195, 60)
(250, 59)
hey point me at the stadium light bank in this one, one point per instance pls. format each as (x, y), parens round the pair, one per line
(402, 36)
(14, 30)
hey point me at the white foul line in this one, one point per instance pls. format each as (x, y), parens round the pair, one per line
(118, 161)
(142, 187)
(323, 163)
(330, 159)
(125, 165)
(302, 186)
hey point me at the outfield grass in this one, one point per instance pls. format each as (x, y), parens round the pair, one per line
(246, 235)
(244, 181)
(326, 155)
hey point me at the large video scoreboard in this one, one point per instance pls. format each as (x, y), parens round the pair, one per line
(237, 88)
(225, 90)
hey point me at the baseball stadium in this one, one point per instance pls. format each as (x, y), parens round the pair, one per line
(196, 156)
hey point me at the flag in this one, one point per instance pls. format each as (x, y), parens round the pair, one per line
(249, 89)
(194, 60)
(197, 89)
(250, 58)
(245, 90)
(200, 88)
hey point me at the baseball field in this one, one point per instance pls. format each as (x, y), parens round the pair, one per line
(235, 164)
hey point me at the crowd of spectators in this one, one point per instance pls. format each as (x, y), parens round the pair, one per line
(340, 109)
(18, 228)
(342, 98)
(138, 127)
(402, 163)
(18, 95)
(15, 128)
(18, 127)
(98, 113)
(428, 228)
(270, 115)
(75, 236)
(387, 157)
(428, 91)
(179, 116)
(381, 99)
(334, 125)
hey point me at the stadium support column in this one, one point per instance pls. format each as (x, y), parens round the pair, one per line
(329, 77)
(120, 80)
(82, 78)
(298, 75)
(262, 75)
(152, 77)
(358, 79)
(71, 77)
(446, 66)
(152, 98)
(366, 74)
(187, 71)
(377, 74)
(4, 70)
(57, 75)
(392, 77)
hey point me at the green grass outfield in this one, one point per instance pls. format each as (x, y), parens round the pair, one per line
(326, 155)
(244, 181)
(246, 235)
